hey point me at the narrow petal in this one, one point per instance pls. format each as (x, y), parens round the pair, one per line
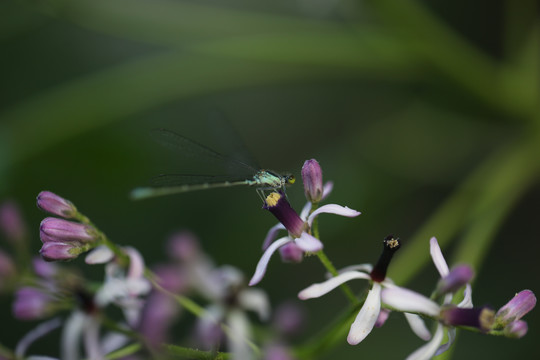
(38, 332)
(451, 337)
(239, 335)
(438, 258)
(308, 243)
(418, 326)
(136, 263)
(332, 209)
(466, 303)
(327, 189)
(317, 290)
(263, 263)
(255, 300)
(367, 317)
(367, 268)
(406, 300)
(271, 235)
(428, 350)
(305, 211)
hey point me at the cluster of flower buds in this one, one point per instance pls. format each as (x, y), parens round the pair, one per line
(64, 239)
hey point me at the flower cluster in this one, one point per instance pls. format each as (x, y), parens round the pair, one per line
(134, 309)
(64, 239)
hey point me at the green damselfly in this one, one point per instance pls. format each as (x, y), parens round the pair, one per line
(244, 174)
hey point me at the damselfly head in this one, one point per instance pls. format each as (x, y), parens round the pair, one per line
(289, 179)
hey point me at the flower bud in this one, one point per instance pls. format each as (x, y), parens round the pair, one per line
(53, 229)
(31, 303)
(312, 178)
(44, 269)
(516, 329)
(516, 308)
(59, 251)
(291, 253)
(11, 222)
(459, 276)
(54, 204)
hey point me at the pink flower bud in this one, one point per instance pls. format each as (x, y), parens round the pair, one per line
(312, 178)
(56, 205)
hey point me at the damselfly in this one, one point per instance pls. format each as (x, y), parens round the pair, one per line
(168, 184)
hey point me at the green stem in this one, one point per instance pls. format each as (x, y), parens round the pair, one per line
(332, 270)
(326, 261)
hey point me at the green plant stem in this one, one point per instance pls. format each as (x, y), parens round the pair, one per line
(326, 261)
(332, 270)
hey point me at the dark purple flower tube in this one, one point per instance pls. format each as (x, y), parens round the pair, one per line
(459, 276)
(59, 251)
(57, 205)
(53, 229)
(278, 205)
(30, 303)
(312, 179)
(481, 318)
(516, 308)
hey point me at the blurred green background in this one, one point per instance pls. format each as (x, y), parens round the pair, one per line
(425, 114)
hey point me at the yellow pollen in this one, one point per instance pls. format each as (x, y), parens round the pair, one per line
(392, 243)
(273, 198)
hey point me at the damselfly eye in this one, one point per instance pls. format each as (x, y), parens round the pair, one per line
(291, 179)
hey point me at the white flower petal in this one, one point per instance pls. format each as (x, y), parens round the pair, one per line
(308, 243)
(366, 318)
(406, 300)
(305, 211)
(466, 303)
(367, 268)
(428, 350)
(239, 335)
(327, 189)
(451, 337)
(418, 326)
(263, 263)
(332, 209)
(438, 258)
(271, 235)
(255, 300)
(317, 290)
(136, 263)
(100, 255)
(71, 335)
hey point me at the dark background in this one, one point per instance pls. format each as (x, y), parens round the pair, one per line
(399, 101)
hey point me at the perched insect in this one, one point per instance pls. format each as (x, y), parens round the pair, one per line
(244, 174)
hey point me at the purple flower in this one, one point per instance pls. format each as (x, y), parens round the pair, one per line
(158, 314)
(56, 205)
(59, 251)
(312, 179)
(298, 227)
(31, 303)
(11, 222)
